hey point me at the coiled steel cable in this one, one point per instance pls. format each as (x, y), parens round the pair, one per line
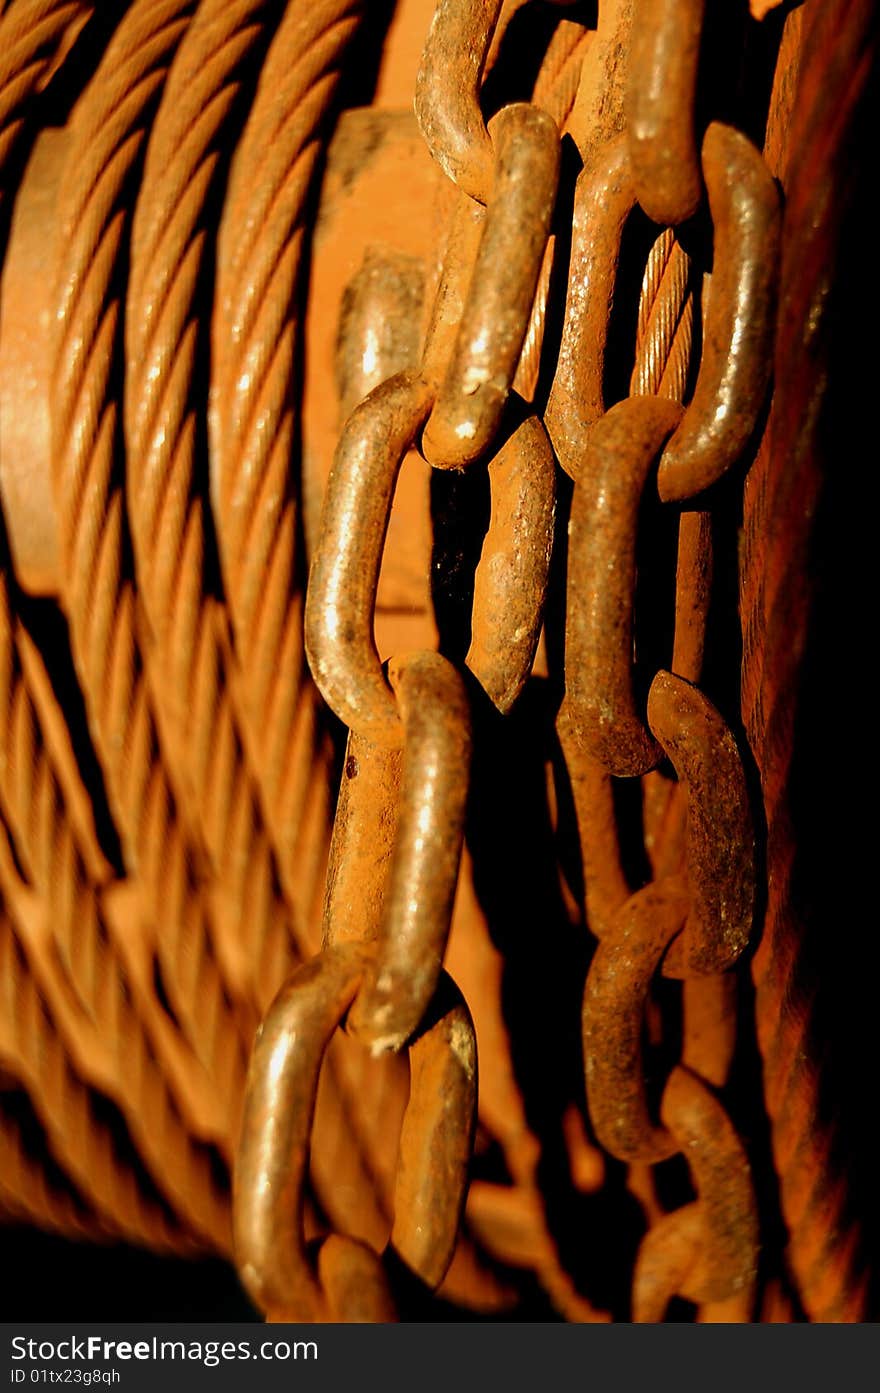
(110, 126)
(50, 821)
(55, 900)
(255, 344)
(177, 159)
(34, 36)
(190, 813)
(189, 661)
(108, 131)
(84, 1145)
(34, 1191)
(188, 626)
(557, 82)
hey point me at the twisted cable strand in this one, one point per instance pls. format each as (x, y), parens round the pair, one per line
(101, 606)
(34, 35)
(560, 73)
(33, 1190)
(105, 151)
(40, 788)
(102, 153)
(109, 129)
(81, 1142)
(255, 333)
(187, 651)
(59, 855)
(665, 323)
(110, 126)
(55, 839)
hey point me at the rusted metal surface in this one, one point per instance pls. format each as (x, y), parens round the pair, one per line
(735, 364)
(274, 1260)
(704, 1251)
(283, 1081)
(480, 371)
(510, 582)
(243, 266)
(720, 836)
(723, 1221)
(345, 571)
(603, 200)
(661, 88)
(614, 1003)
(424, 869)
(437, 1137)
(693, 594)
(606, 887)
(447, 97)
(611, 476)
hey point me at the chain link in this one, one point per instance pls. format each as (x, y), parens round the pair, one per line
(694, 922)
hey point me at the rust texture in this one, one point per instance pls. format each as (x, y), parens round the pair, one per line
(447, 97)
(481, 367)
(512, 573)
(735, 364)
(660, 92)
(723, 1220)
(619, 453)
(345, 571)
(604, 198)
(720, 837)
(693, 594)
(614, 1003)
(283, 1080)
(273, 1257)
(606, 887)
(424, 868)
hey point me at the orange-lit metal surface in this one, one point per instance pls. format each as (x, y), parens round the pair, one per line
(410, 462)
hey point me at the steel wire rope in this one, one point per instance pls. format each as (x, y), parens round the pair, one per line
(108, 131)
(255, 334)
(44, 798)
(33, 1190)
(94, 221)
(188, 652)
(189, 641)
(81, 1143)
(34, 35)
(665, 323)
(255, 343)
(55, 905)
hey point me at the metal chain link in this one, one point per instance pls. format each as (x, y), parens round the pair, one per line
(708, 913)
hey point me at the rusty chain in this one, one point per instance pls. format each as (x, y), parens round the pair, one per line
(453, 407)
(138, 962)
